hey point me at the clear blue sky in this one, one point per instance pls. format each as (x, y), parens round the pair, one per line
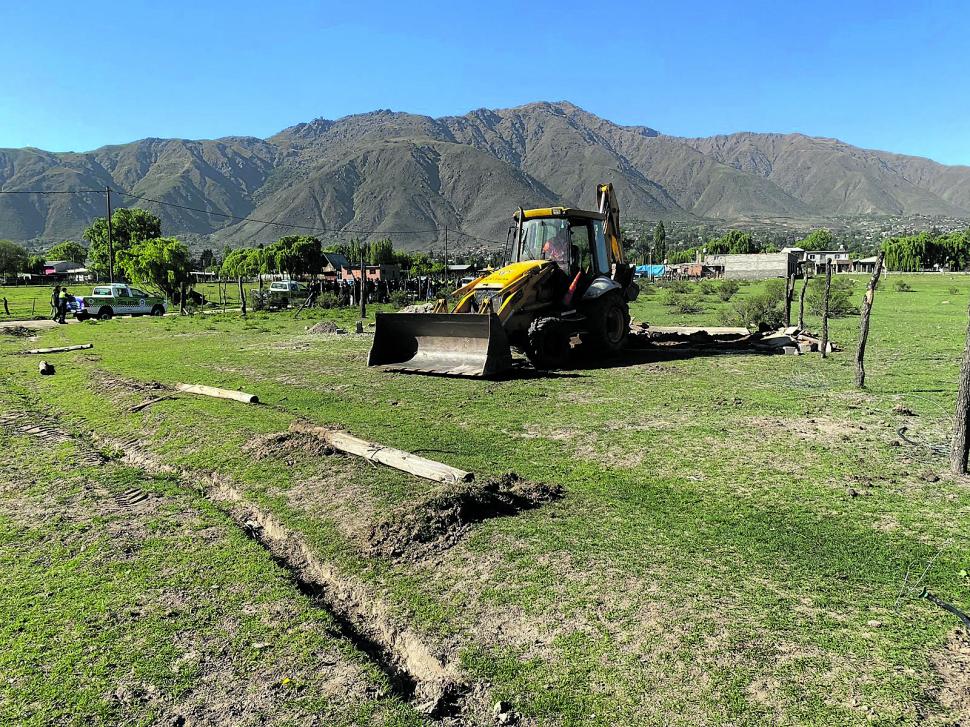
(887, 75)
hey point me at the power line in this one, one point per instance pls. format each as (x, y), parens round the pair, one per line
(276, 223)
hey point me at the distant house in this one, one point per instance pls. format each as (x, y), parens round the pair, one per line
(865, 265)
(67, 270)
(387, 272)
(756, 266)
(334, 262)
(815, 261)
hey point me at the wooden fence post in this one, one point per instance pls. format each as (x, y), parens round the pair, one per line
(242, 297)
(789, 295)
(801, 300)
(860, 368)
(825, 307)
(960, 446)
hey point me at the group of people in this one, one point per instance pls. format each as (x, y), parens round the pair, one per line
(348, 292)
(59, 304)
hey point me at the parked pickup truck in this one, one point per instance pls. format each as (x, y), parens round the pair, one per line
(286, 292)
(118, 299)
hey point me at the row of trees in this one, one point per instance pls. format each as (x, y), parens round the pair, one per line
(928, 250)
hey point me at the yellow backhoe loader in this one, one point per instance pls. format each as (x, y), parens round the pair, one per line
(566, 277)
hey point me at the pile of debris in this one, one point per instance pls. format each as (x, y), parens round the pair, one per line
(792, 340)
(325, 327)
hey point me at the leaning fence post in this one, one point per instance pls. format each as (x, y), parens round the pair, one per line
(860, 368)
(825, 307)
(242, 297)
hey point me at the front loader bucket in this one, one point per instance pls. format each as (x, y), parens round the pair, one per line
(460, 344)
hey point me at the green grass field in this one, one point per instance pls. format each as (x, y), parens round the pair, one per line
(730, 548)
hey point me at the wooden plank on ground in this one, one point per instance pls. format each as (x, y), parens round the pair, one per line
(218, 393)
(396, 458)
(60, 349)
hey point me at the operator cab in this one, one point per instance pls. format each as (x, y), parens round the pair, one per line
(573, 239)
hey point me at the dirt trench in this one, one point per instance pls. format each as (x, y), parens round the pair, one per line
(426, 677)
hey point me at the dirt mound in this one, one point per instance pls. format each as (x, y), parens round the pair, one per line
(418, 308)
(325, 327)
(284, 444)
(18, 331)
(446, 514)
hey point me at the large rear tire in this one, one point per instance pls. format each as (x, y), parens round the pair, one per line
(105, 314)
(609, 323)
(548, 344)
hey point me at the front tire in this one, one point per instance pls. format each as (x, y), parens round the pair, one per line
(157, 311)
(548, 344)
(609, 323)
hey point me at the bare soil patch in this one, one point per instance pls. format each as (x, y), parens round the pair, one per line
(442, 519)
(952, 666)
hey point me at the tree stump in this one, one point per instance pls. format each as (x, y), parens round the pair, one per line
(46, 369)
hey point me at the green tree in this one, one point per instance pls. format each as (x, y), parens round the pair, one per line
(294, 255)
(162, 263)
(659, 242)
(68, 250)
(207, 259)
(13, 258)
(820, 239)
(246, 262)
(35, 265)
(381, 252)
(128, 226)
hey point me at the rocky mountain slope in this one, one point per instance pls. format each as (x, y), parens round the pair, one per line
(411, 176)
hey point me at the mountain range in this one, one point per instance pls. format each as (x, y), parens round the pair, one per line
(410, 176)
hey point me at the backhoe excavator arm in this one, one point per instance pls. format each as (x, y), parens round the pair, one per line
(607, 204)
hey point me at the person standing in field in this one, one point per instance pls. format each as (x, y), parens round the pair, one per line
(55, 302)
(62, 305)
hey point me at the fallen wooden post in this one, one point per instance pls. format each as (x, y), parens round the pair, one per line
(61, 349)
(396, 458)
(218, 393)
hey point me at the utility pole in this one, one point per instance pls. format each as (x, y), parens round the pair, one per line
(111, 249)
(363, 283)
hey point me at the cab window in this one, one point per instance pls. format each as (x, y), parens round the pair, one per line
(581, 254)
(545, 239)
(137, 293)
(602, 258)
(102, 291)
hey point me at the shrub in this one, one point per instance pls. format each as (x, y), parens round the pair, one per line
(901, 286)
(840, 297)
(679, 286)
(328, 300)
(682, 303)
(727, 289)
(759, 311)
(400, 298)
(708, 287)
(952, 291)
